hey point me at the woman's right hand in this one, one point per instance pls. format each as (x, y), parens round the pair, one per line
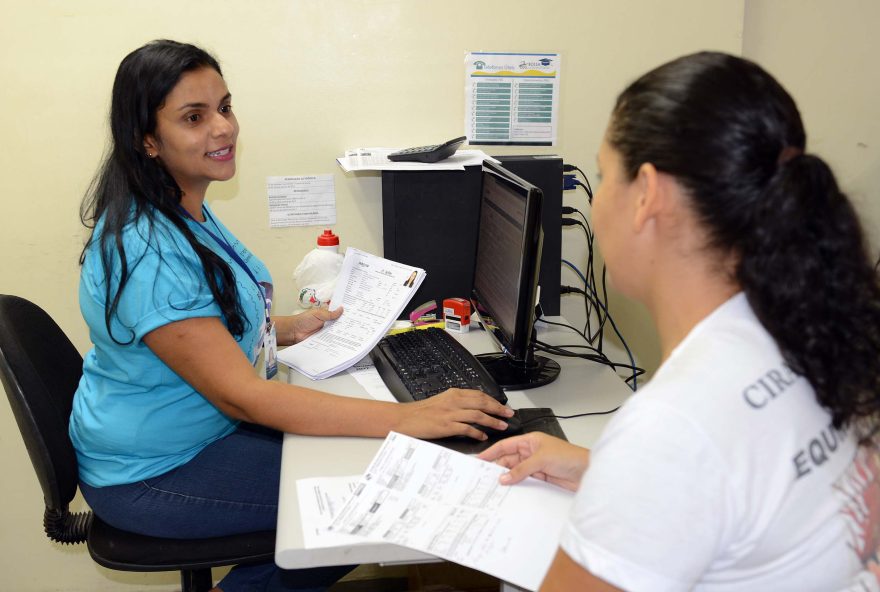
(541, 456)
(451, 413)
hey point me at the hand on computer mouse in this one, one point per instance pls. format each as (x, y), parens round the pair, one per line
(455, 412)
(514, 427)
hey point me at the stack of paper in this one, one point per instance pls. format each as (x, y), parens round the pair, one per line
(433, 499)
(373, 292)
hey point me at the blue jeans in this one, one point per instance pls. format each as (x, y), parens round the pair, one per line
(229, 487)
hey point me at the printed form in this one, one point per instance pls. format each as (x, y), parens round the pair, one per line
(305, 200)
(372, 291)
(427, 497)
(320, 499)
(365, 373)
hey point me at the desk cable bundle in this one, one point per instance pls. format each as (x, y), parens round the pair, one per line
(594, 303)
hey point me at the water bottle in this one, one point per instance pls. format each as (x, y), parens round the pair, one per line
(315, 276)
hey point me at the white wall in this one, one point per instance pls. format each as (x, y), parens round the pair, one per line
(309, 78)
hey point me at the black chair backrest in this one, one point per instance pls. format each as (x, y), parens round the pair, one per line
(40, 370)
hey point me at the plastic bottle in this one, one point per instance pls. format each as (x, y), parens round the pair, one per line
(315, 276)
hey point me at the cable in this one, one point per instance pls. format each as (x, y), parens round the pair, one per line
(588, 303)
(573, 222)
(576, 415)
(632, 360)
(589, 277)
(560, 350)
(598, 356)
(592, 300)
(567, 168)
(587, 188)
(586, 414)
(575, 269)
(590, 282)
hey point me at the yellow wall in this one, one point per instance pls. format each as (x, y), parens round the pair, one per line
(826, 54)
(309, 79)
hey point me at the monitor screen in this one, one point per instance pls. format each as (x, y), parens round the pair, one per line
(506, 270)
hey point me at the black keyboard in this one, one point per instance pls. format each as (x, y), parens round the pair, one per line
(421, 363)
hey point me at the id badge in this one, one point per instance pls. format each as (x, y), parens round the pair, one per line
(270, 351)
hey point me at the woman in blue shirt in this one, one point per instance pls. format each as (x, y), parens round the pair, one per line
(175, 432)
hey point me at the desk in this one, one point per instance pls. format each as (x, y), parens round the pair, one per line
(581, 387)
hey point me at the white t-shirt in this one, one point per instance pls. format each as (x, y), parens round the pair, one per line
(724, 474)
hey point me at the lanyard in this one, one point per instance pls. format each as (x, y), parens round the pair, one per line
(224, 244)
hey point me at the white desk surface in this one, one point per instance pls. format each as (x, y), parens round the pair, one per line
(581, 387)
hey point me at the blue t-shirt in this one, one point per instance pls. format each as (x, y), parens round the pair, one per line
(133, 417)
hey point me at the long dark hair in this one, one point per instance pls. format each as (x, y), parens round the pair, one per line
(130, 186)
(733, 137)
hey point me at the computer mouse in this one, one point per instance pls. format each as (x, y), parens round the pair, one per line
(514, 428)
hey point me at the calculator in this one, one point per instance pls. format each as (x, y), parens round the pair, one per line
(433, 153)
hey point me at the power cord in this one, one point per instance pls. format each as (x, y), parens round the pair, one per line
(576, 415)
(595, 355)
(590, 303)
(593, 302)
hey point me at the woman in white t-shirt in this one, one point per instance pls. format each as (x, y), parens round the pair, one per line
(749, 462)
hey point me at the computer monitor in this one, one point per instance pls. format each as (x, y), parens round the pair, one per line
(505, 293)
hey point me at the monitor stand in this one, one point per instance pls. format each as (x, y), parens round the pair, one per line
(516, 376)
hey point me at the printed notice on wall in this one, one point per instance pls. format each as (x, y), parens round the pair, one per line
(511, 98)
(306, 200)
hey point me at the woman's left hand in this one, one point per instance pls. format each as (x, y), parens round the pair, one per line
(295, 328)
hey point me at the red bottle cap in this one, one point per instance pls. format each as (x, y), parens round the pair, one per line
(328, 239)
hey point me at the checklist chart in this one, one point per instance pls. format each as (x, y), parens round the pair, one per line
(512, 99)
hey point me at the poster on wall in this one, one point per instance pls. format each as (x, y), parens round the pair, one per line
(511, 98)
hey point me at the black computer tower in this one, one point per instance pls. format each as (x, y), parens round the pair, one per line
(429, 220)
(546, 173)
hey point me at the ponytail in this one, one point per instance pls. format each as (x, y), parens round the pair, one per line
(806, 272)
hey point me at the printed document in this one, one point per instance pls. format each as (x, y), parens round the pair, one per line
(306, 200)
(365, 373)
(373, 292)
(320, 499)
(433, 499)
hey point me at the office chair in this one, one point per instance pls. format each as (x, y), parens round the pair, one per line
(40, 370)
